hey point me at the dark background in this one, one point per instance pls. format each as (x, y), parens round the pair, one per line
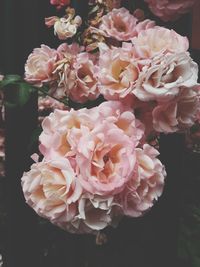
(26, 240)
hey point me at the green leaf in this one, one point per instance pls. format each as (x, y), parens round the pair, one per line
(24, 93)
(10, 80)
(19, 94)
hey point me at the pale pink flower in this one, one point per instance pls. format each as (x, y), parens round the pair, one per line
(179, 113)
(145, 25)
(40, 65)
(170, 10)
(107, 162)
(85, 87)
(52, 189)
(50, 21)
(122, 116)
(60, 3)
(91, 167)
(64, 71)
(1, 77)
(62, 130)
(118, 72)
(146, 185)
(119, 24)
(158, 40)
(66, 26)
(65, 29)
(69, 51)
(164, 77)
(95, 213)
(56, 129)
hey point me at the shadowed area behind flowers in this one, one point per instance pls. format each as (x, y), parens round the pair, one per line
(51, 240)
(135, 242)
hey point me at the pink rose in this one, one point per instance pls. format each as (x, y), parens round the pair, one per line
(95, 213)
(169, 10)
(85, 87)
(146, 185)
(51, 188)
(164, 77)
(66, 29)
(107, 162)
(92, 172)
(54, 140)
(62, 130)
(119, 24)
(118, 72)
(40, 65)
(69, 51)
(123, 117)
(145, 25)
(60, 3)
(177, 114)
(159, 40)
(64, 71)
(66, 26)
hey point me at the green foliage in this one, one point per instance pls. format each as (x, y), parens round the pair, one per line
(16, 91)
(11, 79)
(24, 93)
(18, 94)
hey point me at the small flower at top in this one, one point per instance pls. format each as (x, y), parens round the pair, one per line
(65, 27)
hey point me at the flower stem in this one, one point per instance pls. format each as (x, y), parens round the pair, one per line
(65, 102)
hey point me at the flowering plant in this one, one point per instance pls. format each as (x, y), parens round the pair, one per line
(97, 164)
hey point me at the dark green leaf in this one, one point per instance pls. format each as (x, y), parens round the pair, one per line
(10, 80)
(24, 93)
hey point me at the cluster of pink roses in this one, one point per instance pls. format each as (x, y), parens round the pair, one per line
(95, 169)
(97, 164)
(150, 66)
(154, 69)
(68, 70)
